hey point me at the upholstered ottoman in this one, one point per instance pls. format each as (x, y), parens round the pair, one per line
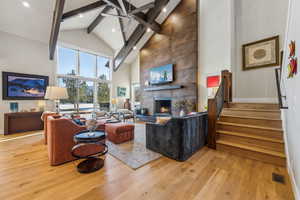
(119, 132)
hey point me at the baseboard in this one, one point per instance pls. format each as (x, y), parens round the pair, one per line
(293, 182)
(256, 100)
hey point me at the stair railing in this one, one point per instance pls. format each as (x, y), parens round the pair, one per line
(279, 94)
(215, 105)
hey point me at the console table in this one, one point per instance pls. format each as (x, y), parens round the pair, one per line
(22, 122)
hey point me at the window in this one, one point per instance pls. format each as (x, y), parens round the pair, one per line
(103, 71)
(86, 77)
(87, 65)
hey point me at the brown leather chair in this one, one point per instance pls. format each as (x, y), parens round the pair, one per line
(60, 135)
(45, 119)
(119, 132)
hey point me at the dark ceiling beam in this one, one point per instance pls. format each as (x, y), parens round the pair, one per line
(98, 19)
(138, 33)
(56, 20)
(138, 16)
(83, 9)
(142, 18)
(122, 27)
(113, 3)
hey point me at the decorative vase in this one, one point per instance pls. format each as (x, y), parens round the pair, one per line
(182, 113)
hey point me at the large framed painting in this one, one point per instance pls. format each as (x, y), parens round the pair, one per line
(262, 53)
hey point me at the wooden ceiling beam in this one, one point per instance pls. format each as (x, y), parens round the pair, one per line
(98, 19)
(138, 33)
(83, 9)
(56, 20)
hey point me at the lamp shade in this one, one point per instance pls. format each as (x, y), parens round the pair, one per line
(56, 93)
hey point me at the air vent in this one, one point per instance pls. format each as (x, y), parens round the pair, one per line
(278, 178)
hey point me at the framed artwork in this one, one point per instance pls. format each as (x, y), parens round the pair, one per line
(121, 91)
(262, 53)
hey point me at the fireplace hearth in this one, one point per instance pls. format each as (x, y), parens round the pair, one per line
(162, 106)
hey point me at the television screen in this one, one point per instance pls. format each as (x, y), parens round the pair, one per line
(23, 86)
(163, 74)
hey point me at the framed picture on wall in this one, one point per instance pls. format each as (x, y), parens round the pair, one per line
(121, 91)
(262, 53)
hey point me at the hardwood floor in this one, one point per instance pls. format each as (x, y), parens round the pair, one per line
(25, 174)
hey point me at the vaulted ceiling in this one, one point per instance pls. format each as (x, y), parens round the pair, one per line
(35, 23)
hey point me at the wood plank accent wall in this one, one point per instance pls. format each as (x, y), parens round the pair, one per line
(177, 44)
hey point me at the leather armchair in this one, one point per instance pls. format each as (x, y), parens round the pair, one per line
(60, 140)
(45, 119)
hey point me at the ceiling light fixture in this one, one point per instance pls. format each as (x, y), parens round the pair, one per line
(113, 30)
(80, 15)
(164, 9)
(148, 30)
(26, 4)
(134, 48)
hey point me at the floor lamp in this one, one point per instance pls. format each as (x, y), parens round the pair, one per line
(56, 94)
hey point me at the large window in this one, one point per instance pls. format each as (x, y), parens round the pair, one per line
(87, 79)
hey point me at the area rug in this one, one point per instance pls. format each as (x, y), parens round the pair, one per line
(134, 153)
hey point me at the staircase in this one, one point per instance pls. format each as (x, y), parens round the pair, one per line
(252, 130)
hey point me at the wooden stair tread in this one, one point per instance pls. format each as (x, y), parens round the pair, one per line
(248, 126)
(249, 117)
(251, 148)
(251, 110)
(250, 136)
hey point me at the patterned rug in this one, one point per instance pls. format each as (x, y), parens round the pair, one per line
(134, 153)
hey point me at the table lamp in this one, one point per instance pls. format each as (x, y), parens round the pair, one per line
(56, 94)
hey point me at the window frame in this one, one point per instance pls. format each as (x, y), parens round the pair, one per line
(77, 76)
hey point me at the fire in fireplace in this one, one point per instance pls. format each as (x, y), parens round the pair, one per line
(162, 106)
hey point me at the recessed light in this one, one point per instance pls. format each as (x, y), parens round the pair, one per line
(80, 15)
(134, 48)
(113, 30)
(164, 9)
(26, 4)
(148, 30)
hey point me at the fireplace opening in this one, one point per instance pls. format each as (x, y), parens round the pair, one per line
(162, 106)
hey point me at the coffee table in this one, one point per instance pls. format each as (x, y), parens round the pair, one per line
(92, 162)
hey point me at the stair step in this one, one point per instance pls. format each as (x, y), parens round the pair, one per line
(253, 110)
(251, 152)
(273, 106)
(269, 132)
(270, 114)
(261, 121)
(250, 126)
(251, 136)
(254, 141)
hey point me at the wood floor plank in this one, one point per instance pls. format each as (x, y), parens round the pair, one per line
(25, 173)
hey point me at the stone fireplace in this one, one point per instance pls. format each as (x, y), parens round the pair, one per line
(162, 106)
(178, 45)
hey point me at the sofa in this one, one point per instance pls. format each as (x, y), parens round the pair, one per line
(179, 138)
(60, 133)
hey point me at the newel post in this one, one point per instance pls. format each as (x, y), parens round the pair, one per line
(227, 77)
(212, 119)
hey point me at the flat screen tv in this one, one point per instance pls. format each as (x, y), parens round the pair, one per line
(18, 86)
(161, 75)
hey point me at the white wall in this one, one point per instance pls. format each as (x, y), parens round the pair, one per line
(88, 42)
(216, 33)
(135, 70)
(121, 78)
(256, 20)
(291, 87)
(21, 55)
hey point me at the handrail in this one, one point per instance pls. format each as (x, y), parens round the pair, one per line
(215, 105)
(279, 95)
